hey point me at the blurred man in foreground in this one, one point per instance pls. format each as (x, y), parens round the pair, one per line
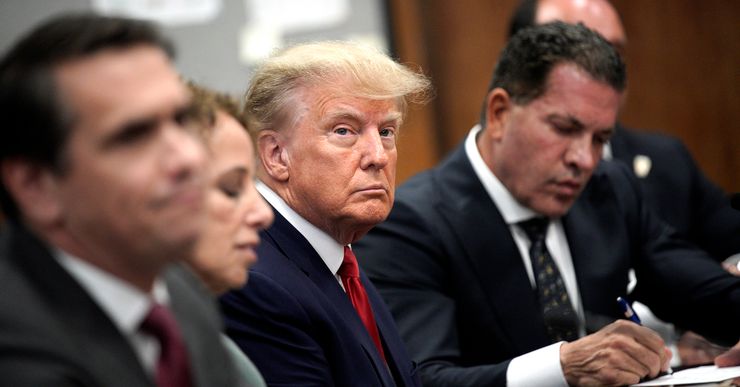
(102, 186)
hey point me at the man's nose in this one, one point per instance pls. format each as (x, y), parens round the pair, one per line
(583, 154)
(374, 152)
(183, 155)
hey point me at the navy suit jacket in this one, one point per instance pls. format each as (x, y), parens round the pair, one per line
(680, 193)
(450, 271)
(52, 333)
(299, 327)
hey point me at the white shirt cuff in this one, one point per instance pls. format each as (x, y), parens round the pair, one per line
(537, 368)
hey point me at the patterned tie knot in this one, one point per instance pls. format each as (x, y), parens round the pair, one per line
(535, 228)
(349, 264)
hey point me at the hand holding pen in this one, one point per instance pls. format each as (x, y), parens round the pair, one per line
(620, 353)
(631, 315)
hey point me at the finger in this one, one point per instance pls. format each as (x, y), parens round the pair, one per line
(645, 336)
(645, 346)
(628, 364)
(612, 377)
(729, 358)
(732, 269)
(667, 362)
(595, 360)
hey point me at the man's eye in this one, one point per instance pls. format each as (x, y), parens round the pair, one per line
(564, 129)
(133, 132)
(341, 131)
(386, 132)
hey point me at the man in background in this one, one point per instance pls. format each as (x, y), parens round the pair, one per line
(102, 187)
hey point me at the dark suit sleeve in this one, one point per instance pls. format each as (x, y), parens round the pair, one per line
(716, 225)
(407, 262)
(681, 193)
(678, 281)
(39, 371)
(270, 325)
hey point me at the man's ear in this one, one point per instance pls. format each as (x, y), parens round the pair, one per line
(273, 155)
(498, 107)
(34, 189)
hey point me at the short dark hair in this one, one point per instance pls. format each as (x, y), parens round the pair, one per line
(523, 16)
(35, 122)
(532, 53)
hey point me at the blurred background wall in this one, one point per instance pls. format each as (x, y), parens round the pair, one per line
(683, 58)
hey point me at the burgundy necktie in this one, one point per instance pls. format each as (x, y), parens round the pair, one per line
(173, 368)
(351, 280)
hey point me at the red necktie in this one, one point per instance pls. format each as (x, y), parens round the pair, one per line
(173, 368)
(351, 280)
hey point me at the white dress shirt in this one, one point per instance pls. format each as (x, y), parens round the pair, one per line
(540, 367)
(330, 251)
(124, 304)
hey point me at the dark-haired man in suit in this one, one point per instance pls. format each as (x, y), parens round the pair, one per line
(673, 184)
(503, 264)
(102, 187)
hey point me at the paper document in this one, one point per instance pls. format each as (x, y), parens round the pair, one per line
(703, 374)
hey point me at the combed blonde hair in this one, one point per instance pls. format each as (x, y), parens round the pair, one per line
(370, 73)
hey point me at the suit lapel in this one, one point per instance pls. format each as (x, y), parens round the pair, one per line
(491, 252)
(395, 352)
(106, 354)
(297, 249)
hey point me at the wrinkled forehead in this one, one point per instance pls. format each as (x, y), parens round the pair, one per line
(339, 98)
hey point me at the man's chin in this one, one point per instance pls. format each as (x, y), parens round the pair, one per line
(374, 214)
(179, 244)
(555, 208)
(367, 218)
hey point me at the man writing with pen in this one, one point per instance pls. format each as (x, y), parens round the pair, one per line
(502, 264)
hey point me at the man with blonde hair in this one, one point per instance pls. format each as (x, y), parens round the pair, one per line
(327, 117)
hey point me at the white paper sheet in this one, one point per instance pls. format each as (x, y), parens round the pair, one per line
(703, 374)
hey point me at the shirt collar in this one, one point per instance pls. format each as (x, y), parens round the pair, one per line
(511, 210)
(330, 251)
(124, 304)
(607, 153)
